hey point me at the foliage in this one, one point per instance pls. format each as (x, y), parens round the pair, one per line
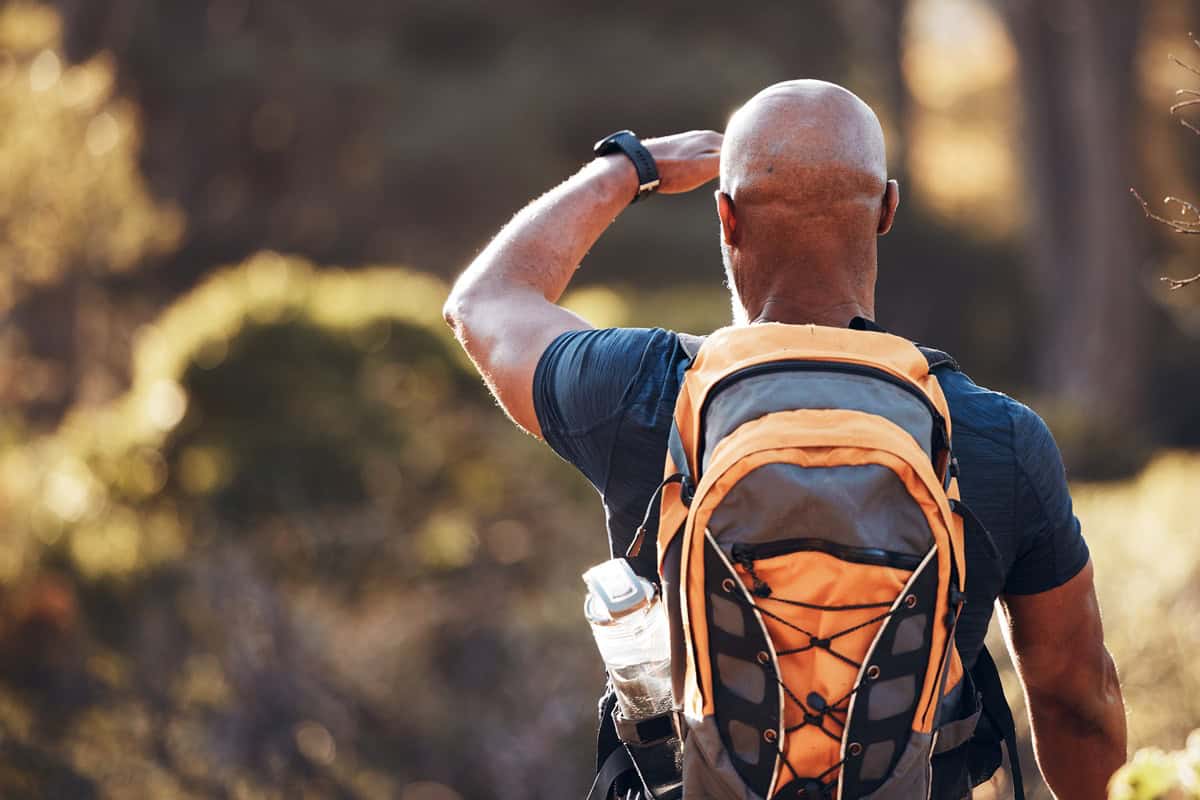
(265, 534)
(1153, 774)
(71, 194)
(338, 575)
(306, 549)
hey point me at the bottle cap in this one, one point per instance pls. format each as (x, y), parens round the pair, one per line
(615, 590)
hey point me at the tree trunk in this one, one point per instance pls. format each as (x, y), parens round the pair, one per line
(875, 31)
(1079, 93)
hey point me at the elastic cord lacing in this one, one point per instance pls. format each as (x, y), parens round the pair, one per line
(816, 708)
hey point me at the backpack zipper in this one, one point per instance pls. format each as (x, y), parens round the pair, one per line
(746, 554)
(939, 439)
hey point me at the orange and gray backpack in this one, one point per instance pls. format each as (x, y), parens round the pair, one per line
(810, 546)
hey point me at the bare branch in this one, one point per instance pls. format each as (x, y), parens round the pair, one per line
(1177, 225)
(1188, 218)
(1184, 104)
(1184, 206)
(1191, 93)
(1175, 283)
(1184, 64)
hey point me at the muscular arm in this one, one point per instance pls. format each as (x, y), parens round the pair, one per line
(503, 307)
(1070, 681)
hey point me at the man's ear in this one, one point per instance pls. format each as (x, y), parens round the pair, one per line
(726, 212)
(891, 201)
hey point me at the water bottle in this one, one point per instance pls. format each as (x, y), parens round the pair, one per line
(630, 627)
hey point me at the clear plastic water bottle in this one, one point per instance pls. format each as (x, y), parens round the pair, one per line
(631, 629)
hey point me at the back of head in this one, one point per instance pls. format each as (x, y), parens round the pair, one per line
(804, 166)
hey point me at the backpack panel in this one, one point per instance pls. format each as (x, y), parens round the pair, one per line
(708, 768)
(818, 542)
(864, 511)
(743, 675)
(814, 436)
(881, 712)
(755, 450)
(755, 396)
(813, 740)
(736, 347)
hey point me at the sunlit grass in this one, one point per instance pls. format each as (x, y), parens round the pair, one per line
(1145, 540)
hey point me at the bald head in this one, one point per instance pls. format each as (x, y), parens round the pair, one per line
(804, 193)
(803, 128)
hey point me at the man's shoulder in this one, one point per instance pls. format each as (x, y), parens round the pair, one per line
(979, 412)
(609, 394)
(609, 343)
(612, 353)
(587, 376)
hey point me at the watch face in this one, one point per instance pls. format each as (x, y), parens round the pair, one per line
(609, 143)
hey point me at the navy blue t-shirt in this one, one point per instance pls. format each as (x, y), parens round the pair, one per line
(605, 398)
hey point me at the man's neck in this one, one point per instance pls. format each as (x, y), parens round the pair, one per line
(820, 289)
(792, 311)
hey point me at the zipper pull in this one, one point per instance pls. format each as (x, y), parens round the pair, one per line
(635, 547)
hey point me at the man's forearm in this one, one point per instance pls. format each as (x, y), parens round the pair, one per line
(541, 247)
(1077, 748)
(503, 309)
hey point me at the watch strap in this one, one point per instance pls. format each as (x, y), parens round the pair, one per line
(628, 143)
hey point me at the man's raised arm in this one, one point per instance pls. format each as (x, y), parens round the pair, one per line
(503, 307)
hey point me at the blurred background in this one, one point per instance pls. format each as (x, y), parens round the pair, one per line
(262, 532)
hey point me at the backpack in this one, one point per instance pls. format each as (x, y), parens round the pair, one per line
(810, 546)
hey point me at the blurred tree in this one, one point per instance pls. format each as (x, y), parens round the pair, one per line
(303, 551)
(1080, 99)
(875, 30)
(75, 217)
(408, 132)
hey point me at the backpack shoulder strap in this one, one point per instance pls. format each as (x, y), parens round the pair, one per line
(618, 764)
(690, 344)
(939, 358)
(999, 715)
(615, 770)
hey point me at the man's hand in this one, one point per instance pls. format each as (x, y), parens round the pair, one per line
(686, 161)
(502, 309)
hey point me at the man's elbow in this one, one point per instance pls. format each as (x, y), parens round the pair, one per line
(1088, 708)
(452, 311)
(458, 311)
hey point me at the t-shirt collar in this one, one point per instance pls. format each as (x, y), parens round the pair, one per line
(864, 324)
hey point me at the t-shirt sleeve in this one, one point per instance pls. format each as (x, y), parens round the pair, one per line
(1051, 549)
(579, 392)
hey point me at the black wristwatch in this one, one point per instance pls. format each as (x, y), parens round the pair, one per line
(628, 143)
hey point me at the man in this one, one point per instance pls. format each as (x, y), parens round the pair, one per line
(803, 197)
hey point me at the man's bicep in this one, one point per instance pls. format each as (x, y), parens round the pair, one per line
(505, 338)
(1057, 639)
